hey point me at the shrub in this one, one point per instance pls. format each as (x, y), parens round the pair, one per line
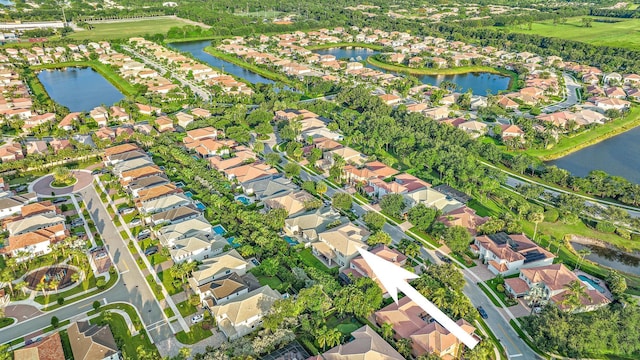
(624, 233)
(500, 288)
(101, 283)
(551, 215)
(55, 321)
(605, 226)
(96, 305)
(60, 300)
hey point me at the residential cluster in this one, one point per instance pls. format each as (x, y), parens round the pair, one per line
(169, 214)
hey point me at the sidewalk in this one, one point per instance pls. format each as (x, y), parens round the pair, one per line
(146, 262)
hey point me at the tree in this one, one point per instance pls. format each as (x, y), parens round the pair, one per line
(582, 253)
(536, 217)
(422, 216)
(412, 250)
(573, 295)
(392, 204)
(7, 277)
(55, 322)
(616, 283)
(96, 305)
(342, 201)
(457, 238)
(62, 175)
(275, 218)
(373, 220)
(258, 147)
(328, 337)
(270, 266)
(387, 331)
(291, 169)
(321, 188)
(272, 159)
(404, 347)
(379, 237)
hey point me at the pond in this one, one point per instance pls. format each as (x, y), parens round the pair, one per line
(611, 258)
(619, 155)
(479, 83)
(79, 89)
(196, 48)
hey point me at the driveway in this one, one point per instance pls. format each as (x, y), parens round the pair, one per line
(571, 95)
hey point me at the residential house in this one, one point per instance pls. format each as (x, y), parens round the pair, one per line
(148, 182)
(127, 177)
(11, 205)
(268, 186)
(437, 113)
(126, 156)
(507, 254)
(164, 124)
(175, 215)
(390, 99)
(217, 267)
(433, 199)
(60, 144)
(196, 248)
(612, 104)
(48, 348)
(465, 217)
(148, 109)
(118, 149)
(409, 321)
(222, 290)
(339, 245)
(92, 342)
(293, 202)
(166, 202)
(37, 147)
(11, 152)
(359, 267)
(510, 131)
(22, 225)
(119, 114)
(549, 284)
(200, 113)
(238, 158)
(200, 134)
(474, 128)
(67, 122)
(184, 119)
(308, 225)
(100, 115)
(169, 234)
(131, 164)
(366, 344)
(244, 314)
(249, 172)
(349, 155)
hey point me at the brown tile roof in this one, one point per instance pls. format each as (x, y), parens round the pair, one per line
(118, 149)
(366, 345)
(35, 237)
(518, 285)
(90, 342)
(49, 348)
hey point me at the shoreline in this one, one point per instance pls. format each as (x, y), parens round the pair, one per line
(608, 131)
(513, 77)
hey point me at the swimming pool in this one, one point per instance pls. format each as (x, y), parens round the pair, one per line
(244, 200)
(591, 283)
(188, 194)
(200, 205)
(290, 240)
(219, 229)
(180, 184)
(232, 243)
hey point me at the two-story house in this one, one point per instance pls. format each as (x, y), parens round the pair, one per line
(507, 254)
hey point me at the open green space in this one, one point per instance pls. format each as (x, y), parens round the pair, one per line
(105, 70)
(186, 308)
(129, 309)
(167, 281)
(345, 325)
(308, 259)
(568, 145)
(123, 336)
(196, 334)
(272, 281)
(127, 29)
(155, 287)
(620, 33)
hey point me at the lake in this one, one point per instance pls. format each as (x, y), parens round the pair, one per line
(479, 83)
(6, 2)
(79, 89)
(196, 48)
(619, 155)
(611, 258)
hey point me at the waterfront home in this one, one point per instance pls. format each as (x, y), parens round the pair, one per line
(506, 254)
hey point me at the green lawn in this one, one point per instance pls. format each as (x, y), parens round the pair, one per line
(88, 283)
(155, 287)
(272, 281)
(346, 326)
(186, 308)
(308, 259)
(167, 281)
(622, 33)
(121, 333)
(196, 334)
(4, 322)
(125, 30)
(493, 283)
(129, 309)
(169, 312)
(423, 236)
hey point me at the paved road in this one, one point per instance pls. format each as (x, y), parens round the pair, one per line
(203, 93)
(570, 97)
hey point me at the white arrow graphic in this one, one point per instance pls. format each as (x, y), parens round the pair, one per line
(393, 278)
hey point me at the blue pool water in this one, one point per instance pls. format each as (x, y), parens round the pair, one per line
(219, 229)
(233, 244)
(188, 194)
(200, 205)
(180, 184)
(244, 200)
(592, 283)
(291, 240)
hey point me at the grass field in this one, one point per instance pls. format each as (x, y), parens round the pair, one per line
(624, 33)
(123, 30)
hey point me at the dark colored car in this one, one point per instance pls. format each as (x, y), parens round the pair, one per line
(151, 250)
(483, 313)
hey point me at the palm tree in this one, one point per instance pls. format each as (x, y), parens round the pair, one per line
(387, 331)
(43, 289)
(412, 250)
(7, 278)
(574, 294)
(536, 217)
(582, 253)
(21, 286)
(54, 284)
(404, 347)
(439, 297)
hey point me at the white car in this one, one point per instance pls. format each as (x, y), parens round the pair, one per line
(196, 319)
(126, 211)
(135, 222)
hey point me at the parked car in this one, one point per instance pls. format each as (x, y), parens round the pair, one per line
(443, 257)
(145, 232)
(125, 211)
(143, 236)
(482, 312)
(196, 319)
(151, 250)
(96, 172)
(21, 188)
(59, 200)
(135, 222)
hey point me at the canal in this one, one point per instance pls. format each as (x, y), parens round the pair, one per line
(79, 89)
(611, 258)
(619, 156)
(196, 48)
